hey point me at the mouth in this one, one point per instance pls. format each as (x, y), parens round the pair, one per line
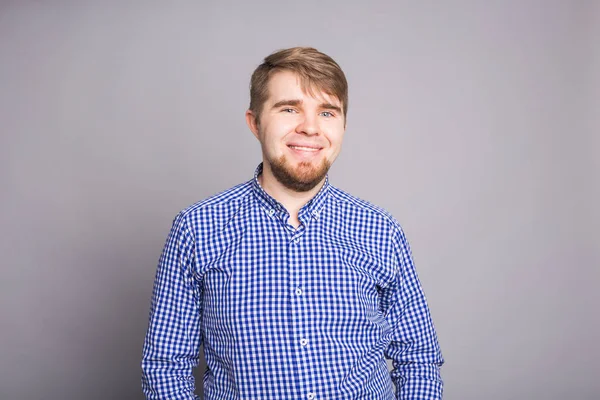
(310, 149)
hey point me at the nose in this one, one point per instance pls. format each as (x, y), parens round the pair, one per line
(308, 126)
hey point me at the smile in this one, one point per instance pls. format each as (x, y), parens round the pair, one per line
(302, 148)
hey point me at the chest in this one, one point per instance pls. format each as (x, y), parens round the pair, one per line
(267, 273)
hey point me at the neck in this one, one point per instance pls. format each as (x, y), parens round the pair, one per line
(290, 199)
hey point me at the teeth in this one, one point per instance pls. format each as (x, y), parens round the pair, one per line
(304, 148)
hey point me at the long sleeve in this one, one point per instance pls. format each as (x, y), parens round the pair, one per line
(414, 350)
(172, 343)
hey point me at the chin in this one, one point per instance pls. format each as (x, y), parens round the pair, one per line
(302, 176)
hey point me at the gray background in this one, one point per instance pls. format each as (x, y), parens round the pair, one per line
(474, 123)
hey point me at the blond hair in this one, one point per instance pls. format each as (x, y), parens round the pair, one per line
(315, 70)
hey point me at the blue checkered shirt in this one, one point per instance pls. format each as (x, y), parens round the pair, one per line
(286, 313)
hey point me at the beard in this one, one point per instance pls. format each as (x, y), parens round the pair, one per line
(303, 177)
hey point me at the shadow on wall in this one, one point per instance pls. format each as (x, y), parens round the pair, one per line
(199, 374)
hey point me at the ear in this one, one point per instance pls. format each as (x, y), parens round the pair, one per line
(252, 122)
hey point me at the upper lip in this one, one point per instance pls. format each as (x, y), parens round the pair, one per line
(312, 146)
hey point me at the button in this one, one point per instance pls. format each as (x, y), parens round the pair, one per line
(299, 292)
(296, 241)
(271, 212)
(304, 342)
(315, 213)
(310, 396)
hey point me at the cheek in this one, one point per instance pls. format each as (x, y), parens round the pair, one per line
(336, 137)
(272, 141)
(279, 128)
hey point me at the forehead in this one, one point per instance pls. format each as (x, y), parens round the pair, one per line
(287, 85)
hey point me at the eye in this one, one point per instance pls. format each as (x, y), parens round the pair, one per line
(327, 114)
(289, 110)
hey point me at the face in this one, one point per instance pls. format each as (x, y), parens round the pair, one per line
(300, 135)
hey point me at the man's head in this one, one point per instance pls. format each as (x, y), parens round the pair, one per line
(298, 106)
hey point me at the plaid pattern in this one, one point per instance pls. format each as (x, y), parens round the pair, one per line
(284, 313)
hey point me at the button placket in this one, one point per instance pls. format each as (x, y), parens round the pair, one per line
(300, 333)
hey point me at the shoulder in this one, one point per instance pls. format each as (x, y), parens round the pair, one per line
(368, 218)
(373, 227)
(348, 203)
(219, 207)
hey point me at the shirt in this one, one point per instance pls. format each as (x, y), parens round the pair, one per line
(289, 313)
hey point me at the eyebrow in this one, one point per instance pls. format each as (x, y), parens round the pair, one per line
(296, 102)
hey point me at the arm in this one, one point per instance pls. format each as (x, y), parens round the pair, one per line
(173, 339)
(414, 349)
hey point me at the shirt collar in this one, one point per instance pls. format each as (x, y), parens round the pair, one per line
(313, 207)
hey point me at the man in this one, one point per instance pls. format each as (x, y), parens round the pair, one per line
(296, 289)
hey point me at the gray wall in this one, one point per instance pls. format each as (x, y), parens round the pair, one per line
(474, 123)
(593, 128)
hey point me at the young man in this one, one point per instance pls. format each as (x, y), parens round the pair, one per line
(296, 289)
